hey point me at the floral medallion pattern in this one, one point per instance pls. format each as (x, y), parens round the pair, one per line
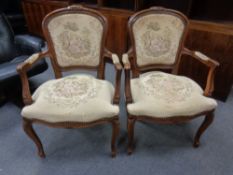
(71, 91)
(157, 38)
(76, 39)
(165, 87)
(155, 44)
(74, 45)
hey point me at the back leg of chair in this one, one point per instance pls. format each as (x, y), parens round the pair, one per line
(130, 126)
(206, 123)
(115, 133)
(27, 126)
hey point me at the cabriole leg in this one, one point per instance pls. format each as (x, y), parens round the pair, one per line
(27, 126)
(206, 123)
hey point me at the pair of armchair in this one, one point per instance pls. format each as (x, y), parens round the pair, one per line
(76, 38)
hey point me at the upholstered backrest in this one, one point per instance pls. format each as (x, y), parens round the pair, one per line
(157, 36)
(75, 36)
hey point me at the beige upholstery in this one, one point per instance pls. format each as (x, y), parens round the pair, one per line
(75, 98)
(157, 38)
(159, 94)
(76, 39)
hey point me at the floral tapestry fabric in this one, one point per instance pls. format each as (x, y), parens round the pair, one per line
(159, 94)
(76, 39)
(166, 88)
(71, 91)
(157, 38)
(77, 98)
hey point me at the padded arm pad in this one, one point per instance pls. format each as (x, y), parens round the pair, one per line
(125, 60)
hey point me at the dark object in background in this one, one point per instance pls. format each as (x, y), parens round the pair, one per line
(183, 6)
(14, 50)
(213, 10)
(14, 13)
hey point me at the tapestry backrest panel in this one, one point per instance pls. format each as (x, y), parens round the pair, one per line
(157, 38)
(76, 39)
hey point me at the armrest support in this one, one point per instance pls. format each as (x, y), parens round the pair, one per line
(210, 63)
(118, 67)
(127, 67)
(22, 70)
(29, 44)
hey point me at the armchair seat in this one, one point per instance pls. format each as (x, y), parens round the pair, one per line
(165, 95)
(75, 98)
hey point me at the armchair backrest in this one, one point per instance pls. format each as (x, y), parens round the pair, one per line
(157, 36)
(76, 38)
(7, 46)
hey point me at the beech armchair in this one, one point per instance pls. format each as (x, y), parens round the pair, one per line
(157, 36)
(76, 40)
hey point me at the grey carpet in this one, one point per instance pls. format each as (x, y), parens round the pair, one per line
(160, 149)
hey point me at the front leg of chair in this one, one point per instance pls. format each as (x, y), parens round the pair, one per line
(115, 133)
(206, 123)
(27, 126)
(130, 127)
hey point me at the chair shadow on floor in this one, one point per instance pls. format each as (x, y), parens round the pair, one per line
(154, 137)
(78, 144)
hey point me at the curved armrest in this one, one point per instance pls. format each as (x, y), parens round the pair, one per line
(114, 58)
(22, 70)
(212, 64)
(127, 67)
(125, 60)
(29, 44)
(201, 57)
(116, 61)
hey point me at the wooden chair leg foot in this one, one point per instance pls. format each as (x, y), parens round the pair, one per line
(130, 127)
(115, 132)
(2, 98)
(41, 153)
(113, 154)
(129, 150)
(206, 123)
(27, 126)
(196, 143)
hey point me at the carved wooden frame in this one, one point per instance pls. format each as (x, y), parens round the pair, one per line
(105, 55)
(130, 64)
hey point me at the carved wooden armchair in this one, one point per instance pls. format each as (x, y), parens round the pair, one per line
(157, 36)
(76, 40)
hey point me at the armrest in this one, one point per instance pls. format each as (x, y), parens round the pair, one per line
(210, 63)
(201, 57)
(118, 67)
(115, 59)
(125, 60)
(22, 70)
(127, 67)
(29, 44)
